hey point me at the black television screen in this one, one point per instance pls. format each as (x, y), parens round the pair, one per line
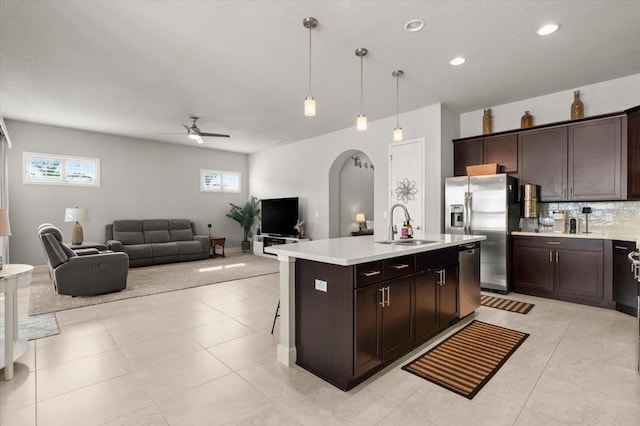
(279, 216)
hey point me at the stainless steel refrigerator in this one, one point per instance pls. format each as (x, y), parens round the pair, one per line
(485, 205)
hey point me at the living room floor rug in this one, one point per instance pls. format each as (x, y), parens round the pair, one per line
(155, 279)
(506, 304)
(36, 327)
(465, 361)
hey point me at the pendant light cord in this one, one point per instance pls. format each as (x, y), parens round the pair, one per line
(309, 60)
(397, 101)
(361, 86)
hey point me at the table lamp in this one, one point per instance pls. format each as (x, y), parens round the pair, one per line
(362, 224)
(76, 215)
(5, 229)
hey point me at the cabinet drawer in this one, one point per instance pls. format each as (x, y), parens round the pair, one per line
(368, 273)
(398, 267)
(436, 259)
(586, 244)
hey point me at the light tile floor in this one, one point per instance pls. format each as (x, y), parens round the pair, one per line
(205, 356)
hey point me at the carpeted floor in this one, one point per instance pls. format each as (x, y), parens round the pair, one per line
(154, 279)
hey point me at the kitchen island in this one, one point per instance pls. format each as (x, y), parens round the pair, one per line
(350, 306)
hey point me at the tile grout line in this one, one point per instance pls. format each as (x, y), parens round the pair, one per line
(541, 373)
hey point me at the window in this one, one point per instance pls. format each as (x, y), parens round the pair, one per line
(219, 181)
(51, 169)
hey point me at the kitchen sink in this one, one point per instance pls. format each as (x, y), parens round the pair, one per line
(407, 242)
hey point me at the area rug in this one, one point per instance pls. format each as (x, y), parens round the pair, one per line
(506, 304)
(154, 279)
(465, 361)
(36, 327)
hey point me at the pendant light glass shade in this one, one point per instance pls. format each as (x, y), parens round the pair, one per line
(310, 102)
(397, 131)
(361, 122)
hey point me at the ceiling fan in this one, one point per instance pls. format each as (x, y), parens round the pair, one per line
(193, 132)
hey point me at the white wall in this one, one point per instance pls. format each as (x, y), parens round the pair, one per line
(302, 168)
(356, 193)
(600, 98)
(140, 180)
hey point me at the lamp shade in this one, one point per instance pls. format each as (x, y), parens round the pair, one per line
(5, 228)
(360, 217)
(76, 214)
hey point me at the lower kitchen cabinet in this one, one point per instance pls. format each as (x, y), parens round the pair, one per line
(625, 287)
(561, 268)
(448, 304)
(426, 305)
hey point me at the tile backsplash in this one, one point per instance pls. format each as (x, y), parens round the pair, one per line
(622, 217)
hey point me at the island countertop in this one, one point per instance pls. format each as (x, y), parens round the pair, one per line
(355, 250)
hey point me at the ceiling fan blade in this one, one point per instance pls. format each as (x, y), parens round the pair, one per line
(187, 127)
(217, 135)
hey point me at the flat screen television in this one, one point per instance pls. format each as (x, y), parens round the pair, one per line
(279, 216)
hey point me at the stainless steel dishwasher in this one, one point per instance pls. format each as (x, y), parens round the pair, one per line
(469, 278)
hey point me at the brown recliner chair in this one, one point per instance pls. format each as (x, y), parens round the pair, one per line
(88, 274)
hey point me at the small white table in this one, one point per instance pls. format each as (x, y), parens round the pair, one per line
(12, 277)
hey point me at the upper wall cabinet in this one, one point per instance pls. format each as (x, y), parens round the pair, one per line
(633, 158)
(579, 160)
(501, 149)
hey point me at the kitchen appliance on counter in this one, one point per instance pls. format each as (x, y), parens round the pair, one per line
(559, 222)
(530, 194)
(485, 205)
(469, 278)
(634, 258)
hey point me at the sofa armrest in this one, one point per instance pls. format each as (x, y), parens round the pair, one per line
(206, 242)
(84, 252)
(114, 245)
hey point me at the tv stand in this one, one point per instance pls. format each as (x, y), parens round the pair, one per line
(260, 242)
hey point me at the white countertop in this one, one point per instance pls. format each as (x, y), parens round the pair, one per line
(599, 235)
(354, 250)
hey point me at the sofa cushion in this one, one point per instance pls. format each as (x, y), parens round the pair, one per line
(128, 231)
(164, 249)
(159, 236)
(180, 230)
(55, 255)
(138, 251)
(190, 247)
(155, 224)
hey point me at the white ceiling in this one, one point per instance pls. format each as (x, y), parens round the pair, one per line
(140, 68)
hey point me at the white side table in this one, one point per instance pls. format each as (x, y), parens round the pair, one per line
(12, 277)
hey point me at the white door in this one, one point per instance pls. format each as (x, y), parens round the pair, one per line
(406, 181)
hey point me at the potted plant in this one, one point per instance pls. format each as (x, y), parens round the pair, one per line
(245, 216)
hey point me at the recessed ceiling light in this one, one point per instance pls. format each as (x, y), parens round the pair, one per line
(548, 29)
(459, 60)
(414, 25)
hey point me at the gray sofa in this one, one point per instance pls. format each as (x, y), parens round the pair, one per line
(85, 272)
(157, 241)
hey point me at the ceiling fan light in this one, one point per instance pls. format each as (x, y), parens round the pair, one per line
(397, 134)
(361, 122)
(196, 138)
(309, 106)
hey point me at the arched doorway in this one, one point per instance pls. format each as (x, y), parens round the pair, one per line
(350, 192)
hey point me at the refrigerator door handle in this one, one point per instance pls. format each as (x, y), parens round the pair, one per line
(468, 196)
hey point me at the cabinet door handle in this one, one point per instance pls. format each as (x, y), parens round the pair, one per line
(382, 298)
(554, 242)
(621, 247)
(400, 266)
(556, 256)
(388, 295)
(550, 256)
(371, 273)
(572, 192)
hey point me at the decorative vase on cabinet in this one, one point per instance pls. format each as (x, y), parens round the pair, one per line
(577, 107)
(526, 120)
(487, 122)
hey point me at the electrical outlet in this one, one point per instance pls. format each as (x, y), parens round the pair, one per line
(208, 225)
(321, 285)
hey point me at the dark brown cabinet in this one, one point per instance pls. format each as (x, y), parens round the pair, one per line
(502, 149)
(448, 306)
(595, 160)
(633, 154)
(561, 268)
(426, 305)
(542, 158)
(397, 325)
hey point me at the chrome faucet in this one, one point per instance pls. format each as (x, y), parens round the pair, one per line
(392, 228)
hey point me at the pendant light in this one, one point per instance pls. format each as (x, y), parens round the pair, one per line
(397, 132)
(361, 122)
(310, 102)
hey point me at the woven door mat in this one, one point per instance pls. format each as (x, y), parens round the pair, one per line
(506, 304)
(465, 361)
